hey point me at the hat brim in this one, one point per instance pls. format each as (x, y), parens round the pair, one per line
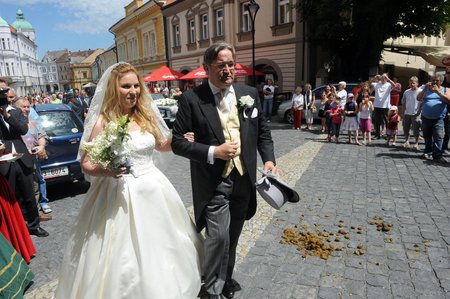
(275, 191)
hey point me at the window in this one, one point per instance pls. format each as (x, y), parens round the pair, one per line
(191, 26)
(146, 44)
(176, 35)
(7, 69)
(3, 44)
(283, 12)
(219, 22)
(246, 20)
(84, 75)
(9, 45)
(152, 44)
(205, 31)
(54, 69)
(130, 49)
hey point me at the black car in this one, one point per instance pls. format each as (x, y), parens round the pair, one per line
(64, 130)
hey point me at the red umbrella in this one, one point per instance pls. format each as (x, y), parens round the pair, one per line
(240, 70)
(198, 73)
(163, 74)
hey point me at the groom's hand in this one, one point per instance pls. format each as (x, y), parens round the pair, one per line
(226, 151)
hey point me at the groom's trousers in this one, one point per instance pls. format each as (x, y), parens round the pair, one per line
(225, 215)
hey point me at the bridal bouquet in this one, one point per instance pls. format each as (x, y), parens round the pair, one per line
(110, 148)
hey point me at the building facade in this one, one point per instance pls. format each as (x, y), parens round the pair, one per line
(81, 67)
(49, 71)
(280, 49)
(139, 36)
(18, 56)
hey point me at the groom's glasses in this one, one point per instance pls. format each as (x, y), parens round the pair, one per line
(223, 65)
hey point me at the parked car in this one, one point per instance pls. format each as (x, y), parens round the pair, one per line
(64, 130)
(284, 110)
(167, 107)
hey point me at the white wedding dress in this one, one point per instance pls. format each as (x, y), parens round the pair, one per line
(133, 238)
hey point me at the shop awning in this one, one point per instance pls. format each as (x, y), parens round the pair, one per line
(435, 55)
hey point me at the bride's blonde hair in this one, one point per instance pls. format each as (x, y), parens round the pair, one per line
(142, 113)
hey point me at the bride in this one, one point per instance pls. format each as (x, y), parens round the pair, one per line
(133, 237)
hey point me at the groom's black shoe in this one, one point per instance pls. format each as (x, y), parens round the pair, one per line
(231, 286)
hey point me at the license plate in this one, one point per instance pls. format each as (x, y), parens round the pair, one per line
(55, 172)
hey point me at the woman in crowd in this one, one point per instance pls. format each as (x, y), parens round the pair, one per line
(133, 237)
(310, 100)
(12, 223)
(298, 102)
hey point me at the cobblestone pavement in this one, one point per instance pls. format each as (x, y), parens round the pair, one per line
(341, 187)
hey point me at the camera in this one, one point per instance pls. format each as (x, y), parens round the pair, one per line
(3, 97)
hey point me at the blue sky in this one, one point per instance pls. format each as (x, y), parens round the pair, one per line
(73, 24)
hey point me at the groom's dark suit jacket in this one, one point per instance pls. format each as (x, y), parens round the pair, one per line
(198, 113)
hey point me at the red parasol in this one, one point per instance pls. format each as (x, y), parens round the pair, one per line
(240, 70)
(163, 74)
(198, 73)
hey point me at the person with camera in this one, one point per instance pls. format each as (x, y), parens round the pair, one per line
(35, 142)
(268, 91)
(434, 98)
(13, 125)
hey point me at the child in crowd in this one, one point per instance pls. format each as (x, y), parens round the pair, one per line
(323, 117)
(350, 124)
(327, 109)
(336, 120)
(392, 125)
(365, 123)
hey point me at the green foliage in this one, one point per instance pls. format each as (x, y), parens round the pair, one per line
(354, 31)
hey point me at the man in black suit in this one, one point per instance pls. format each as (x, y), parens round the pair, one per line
(229, 129)
(13, 125)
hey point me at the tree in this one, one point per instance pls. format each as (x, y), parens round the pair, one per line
(353, 31)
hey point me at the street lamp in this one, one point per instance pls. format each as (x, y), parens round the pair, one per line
(252, 9)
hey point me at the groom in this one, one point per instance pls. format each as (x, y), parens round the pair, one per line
(229, 129)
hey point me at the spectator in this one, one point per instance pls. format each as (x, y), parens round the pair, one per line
(341, 93)
(35, 142)
(323, 119)
(392, 125)
(268, 91)
(327, 110)
(19, 174)
(434, 99)
(310, 100)
(350, 124)
(382, 86)
(297, 107)
(336, 120)
(395, 92)
(365, 124)
(446, 84)
(411, 111)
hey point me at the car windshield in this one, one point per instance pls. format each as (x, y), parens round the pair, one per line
(60, 123)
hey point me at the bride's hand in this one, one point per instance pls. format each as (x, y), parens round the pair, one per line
(116, 172)
(189, 136)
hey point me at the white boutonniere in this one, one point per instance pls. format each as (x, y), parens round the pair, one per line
(246, 103)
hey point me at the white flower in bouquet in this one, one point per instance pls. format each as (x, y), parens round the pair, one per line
(110, 148)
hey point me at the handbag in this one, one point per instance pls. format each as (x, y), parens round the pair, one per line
(274, 190)
(313, 108)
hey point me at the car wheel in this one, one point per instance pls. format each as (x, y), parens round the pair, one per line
(288, 117)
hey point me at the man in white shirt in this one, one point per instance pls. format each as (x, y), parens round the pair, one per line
(268, 91)
(382, 86)
(411, 111)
